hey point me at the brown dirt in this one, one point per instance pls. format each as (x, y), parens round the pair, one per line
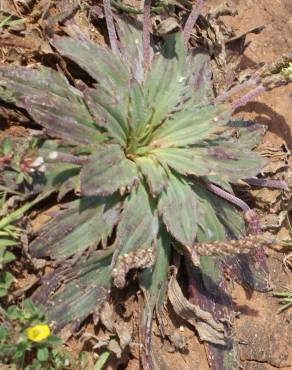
(274, 108)
(265, 338)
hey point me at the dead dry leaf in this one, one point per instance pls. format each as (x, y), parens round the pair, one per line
(208, 329)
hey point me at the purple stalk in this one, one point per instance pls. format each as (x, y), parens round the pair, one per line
(268, 183)
(235, 90)
(110, 26)
(146, 356)
(192, 19)
(227, 196)
(249, 96)
(250, 215)
(146, 34)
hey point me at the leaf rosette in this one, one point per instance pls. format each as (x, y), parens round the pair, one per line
(139, 151)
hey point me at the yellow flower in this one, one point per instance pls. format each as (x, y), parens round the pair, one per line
(38, 332)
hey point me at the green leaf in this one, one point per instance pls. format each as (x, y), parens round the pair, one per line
(131, 45)
(227, 161)
(219, 157)
(43, 354)
(4, 332)
(200, 78)
(184, 161)
(6, 258)
(13, 313)
(180, 210)
(211, 271)
(138, 226)
(246, 133)
(85, 295)
(153, 282)
(20, 178)
(154, 174)
(6, 147)
(230, 161)
(6, 279)
(85, 223)
(55, 175)
(109, 113)
(210, 228)
(100, 63)
(228, 215)
(102, 359)
(165, 80)
(188, 127)
(67, 186)
(137, 114)
(108, 171)
(7, 243)
(52, 102)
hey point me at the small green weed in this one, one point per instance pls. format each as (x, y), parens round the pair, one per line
(288, 242)
(285, 298)
(9, 236)
(99, 365)
(26, 341)
(8, 21)
(17, 159)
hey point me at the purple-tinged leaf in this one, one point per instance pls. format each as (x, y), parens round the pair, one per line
(69, 185)
(55, 175)
(100, 63)
(229, 217)
(53, 81)
(85, 294)
(153, 283)
(109, 114)
(188, 127)
(230, 161)
(210, 292)
(181, 160)
(58, 108)
(108, 171)
(200, 78)
(138, 226)
(165, 81)
(179, 199)
(137, 113)
(84, 224)
(247, 133)
(249, 270)
(210, 228)
(154, 174)
(131, 45)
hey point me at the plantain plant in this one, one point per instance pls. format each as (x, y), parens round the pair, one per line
(150, 157)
